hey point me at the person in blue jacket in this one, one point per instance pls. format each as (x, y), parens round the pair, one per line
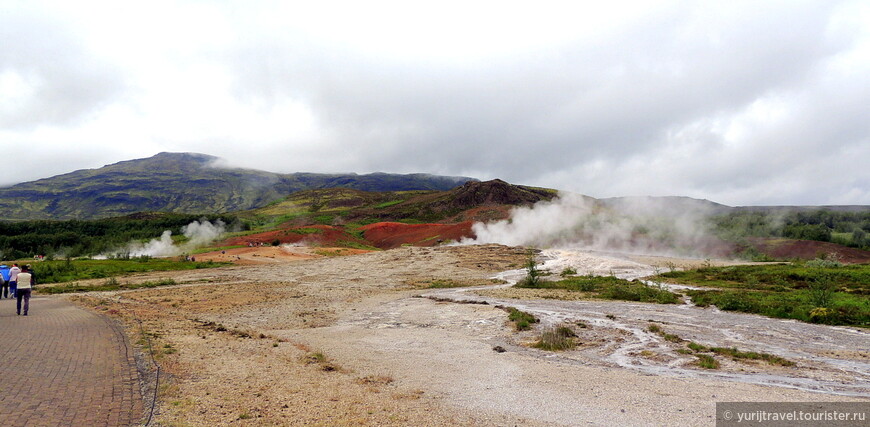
(4, 278)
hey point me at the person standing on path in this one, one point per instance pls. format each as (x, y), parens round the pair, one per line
(13, 278)
(4, 277)
(25, 284)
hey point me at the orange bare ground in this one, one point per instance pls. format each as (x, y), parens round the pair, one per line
(326, 235)
(387, 235)
(273, 254)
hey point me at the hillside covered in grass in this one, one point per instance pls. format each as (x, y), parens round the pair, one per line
(362, 219)
(385, 219)
(333, 217)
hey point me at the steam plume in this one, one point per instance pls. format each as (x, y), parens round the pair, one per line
(198, 234)
(646, 226)
(202, 233)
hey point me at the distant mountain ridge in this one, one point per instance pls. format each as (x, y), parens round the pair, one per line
(194, 183)
(666, 205)
(183, 183)
(675, 205)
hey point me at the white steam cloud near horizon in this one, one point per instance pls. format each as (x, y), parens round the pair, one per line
(641, 226)
(198, 233)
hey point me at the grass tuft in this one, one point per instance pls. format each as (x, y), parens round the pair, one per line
(523, 321)
(557, 339)
(707, 362)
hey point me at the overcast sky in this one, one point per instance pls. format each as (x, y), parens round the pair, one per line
(740, 102)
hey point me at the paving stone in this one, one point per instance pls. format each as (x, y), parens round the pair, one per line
(63, 365)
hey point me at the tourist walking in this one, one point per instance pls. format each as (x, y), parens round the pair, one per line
(26, 281)
(13, 279)
(4, 277)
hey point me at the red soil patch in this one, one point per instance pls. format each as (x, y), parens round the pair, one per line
(387, 235)
(810, 249)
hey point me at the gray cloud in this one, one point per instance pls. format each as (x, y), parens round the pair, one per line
(742, 103)
(561, 108)
(63, 81)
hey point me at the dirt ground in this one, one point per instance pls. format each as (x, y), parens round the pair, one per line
(347, 340)
(810, 249)
(274, 254)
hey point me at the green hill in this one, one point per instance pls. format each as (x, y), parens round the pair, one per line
(182, 183)
(472, 201)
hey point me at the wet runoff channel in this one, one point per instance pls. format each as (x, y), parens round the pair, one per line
(828, 359)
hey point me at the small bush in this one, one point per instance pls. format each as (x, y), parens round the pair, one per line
(556, 339)
(522, 320)
(533, 275)
(707, 362)
(821, 291)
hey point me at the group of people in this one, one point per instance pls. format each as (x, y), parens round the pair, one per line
(17, 282)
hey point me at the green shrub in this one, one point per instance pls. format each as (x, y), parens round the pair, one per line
(522, 320)
(556, 339)
(707, 362)
(533, 275)
(821, 291)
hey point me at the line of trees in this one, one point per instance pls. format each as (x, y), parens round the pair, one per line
(845, 228)
(76, 238)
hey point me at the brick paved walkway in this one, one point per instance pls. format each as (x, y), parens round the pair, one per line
(65, 366)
